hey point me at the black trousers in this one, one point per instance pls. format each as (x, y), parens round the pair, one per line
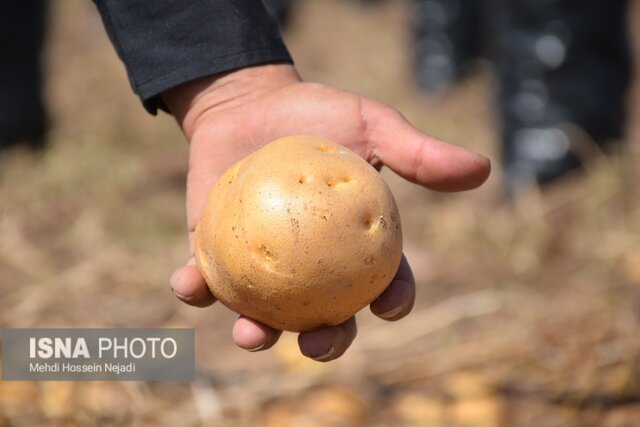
(558, 64)
(22, 113)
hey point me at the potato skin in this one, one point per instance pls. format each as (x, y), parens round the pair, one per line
(301, 234)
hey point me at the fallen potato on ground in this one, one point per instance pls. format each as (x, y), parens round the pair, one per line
(301, 234)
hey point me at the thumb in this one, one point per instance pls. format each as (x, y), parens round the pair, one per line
(420, 158)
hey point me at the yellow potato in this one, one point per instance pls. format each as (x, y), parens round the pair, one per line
(303, 233)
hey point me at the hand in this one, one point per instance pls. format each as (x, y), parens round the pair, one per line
(227, 117)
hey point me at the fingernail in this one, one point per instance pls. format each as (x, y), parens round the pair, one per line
(180, 296)
(392, 314)
(258, 348)
(326, 355)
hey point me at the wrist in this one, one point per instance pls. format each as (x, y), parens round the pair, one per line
(191, 101)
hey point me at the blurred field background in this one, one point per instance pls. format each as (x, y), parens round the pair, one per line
(528, 314)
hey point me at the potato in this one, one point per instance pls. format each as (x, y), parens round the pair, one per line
(301, 234)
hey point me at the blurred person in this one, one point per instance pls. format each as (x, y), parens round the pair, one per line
(23, 120)
(222, 70)
(562, 68)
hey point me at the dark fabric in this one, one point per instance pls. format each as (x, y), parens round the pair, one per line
(164, 43)
(280, 10)
(556, 62)
(448, 39)
(590, 84)
(22, 116)
(587, 86)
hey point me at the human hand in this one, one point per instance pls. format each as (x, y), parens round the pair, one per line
(227, 117)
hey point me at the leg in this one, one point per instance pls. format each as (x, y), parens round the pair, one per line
(447, 37)
(560, 65)
(22, 114)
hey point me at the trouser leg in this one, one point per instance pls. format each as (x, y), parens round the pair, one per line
(22, 116)
(560, 65)
(447, 41)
